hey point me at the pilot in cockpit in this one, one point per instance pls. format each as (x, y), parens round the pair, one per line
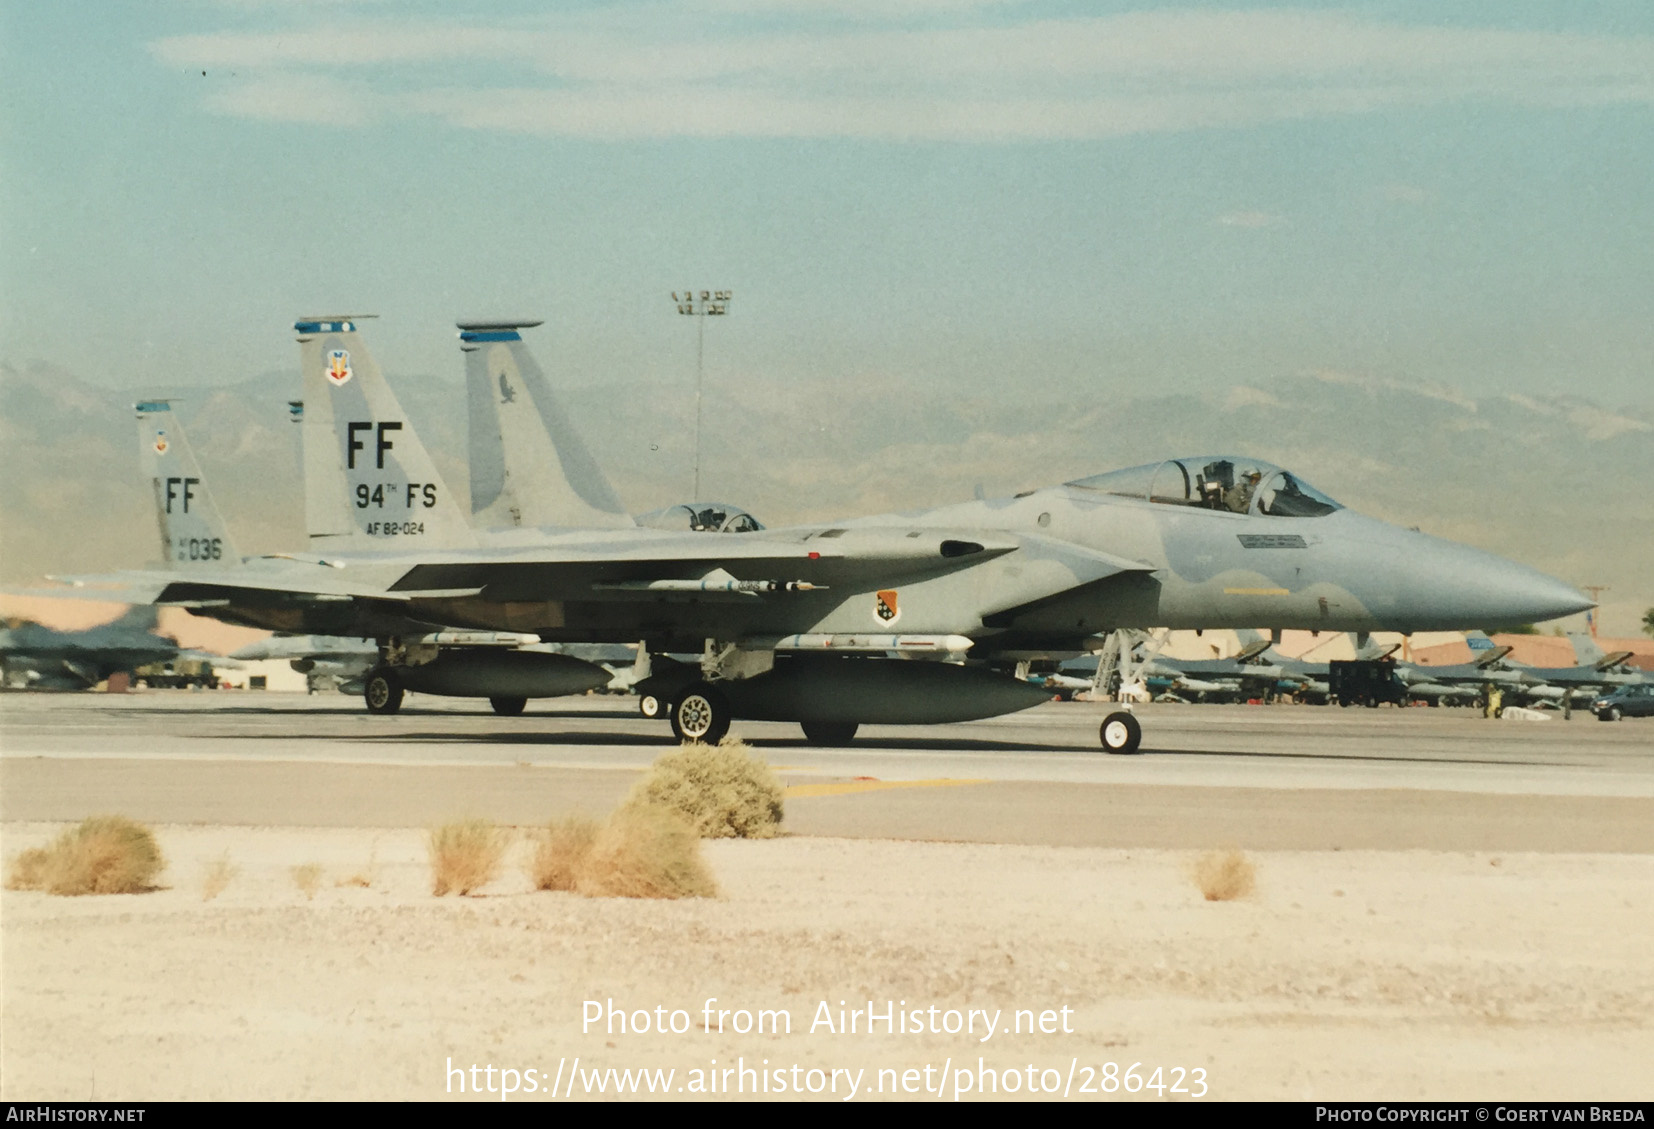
(1239, 498)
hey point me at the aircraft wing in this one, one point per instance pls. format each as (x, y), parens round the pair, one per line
(643, 567)
(198, 588)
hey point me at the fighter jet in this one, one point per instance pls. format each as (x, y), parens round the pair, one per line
(1460, 683)
(190, 535)
(1243, 675)
(35, 657)
(1597, 673)
(1306, 677)
(822, 623)
(1257, 670)
(193, 531)
(327, 662)
(505, 667)
(1466, 683)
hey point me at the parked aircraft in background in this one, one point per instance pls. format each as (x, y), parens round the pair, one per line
(36, 657)
(327, 662)
(1597, 673)
(1256, 672)
(1461, 683)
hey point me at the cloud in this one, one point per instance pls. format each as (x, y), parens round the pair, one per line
(304, 98)
(913, 70)
(1251, 219)
(1407, 194)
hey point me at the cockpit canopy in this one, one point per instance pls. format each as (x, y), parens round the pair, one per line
(1216, 482)
(701, 517)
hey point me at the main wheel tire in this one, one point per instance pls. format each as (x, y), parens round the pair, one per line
(508, 707)
(1613, 713)
(701, 714)
(833, 734)
(383, 691)
(1120, 733)
(652, 707)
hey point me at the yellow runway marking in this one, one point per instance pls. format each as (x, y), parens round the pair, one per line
(851, 787)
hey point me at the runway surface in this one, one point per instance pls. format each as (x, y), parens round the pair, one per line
(1280, 777)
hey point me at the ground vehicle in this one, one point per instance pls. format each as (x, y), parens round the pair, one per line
(1627, 701)
(180, 674)
(1365, 682)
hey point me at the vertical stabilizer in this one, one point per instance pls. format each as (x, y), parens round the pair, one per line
(1366, 648)
(191, 528)
(529, 467)
(369, 483)
(138, 617)
(1586, 651)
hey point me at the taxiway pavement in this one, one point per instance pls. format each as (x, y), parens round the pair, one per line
(1266, 778)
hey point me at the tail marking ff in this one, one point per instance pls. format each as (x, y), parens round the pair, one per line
(192, 530)
(368, 480)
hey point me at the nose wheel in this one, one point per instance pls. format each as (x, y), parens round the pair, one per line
(1120, 733)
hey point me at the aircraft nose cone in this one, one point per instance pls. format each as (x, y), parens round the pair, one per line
(1423, 583)
(1477, 589)
(1533, 597)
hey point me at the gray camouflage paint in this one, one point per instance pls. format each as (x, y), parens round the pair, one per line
(1042, 573)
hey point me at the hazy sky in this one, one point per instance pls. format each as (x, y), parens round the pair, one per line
(1067, 195)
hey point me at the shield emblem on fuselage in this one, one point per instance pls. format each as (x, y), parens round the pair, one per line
(885, 607)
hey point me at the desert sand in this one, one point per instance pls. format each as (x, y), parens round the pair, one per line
(1344, 975)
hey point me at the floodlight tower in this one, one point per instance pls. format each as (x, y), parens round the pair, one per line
(700, 305)
(1596, 591)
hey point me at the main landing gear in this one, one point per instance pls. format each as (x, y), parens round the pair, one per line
(702, 714)
(382, 690)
